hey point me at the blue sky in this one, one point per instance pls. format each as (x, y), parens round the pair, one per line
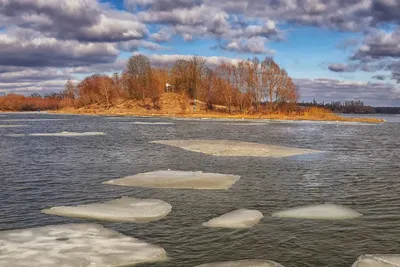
(334, 50)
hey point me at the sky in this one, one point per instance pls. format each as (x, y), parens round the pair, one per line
(335, 50)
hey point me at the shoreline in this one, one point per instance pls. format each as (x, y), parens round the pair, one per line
(215, 115)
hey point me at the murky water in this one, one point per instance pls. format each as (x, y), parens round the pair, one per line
(360, 169)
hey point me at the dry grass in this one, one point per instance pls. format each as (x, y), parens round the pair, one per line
(173, 105)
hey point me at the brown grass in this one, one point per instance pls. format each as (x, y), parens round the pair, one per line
(174, 105)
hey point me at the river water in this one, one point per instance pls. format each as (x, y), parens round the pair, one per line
(360, 169)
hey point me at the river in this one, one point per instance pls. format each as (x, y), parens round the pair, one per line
(360, 169)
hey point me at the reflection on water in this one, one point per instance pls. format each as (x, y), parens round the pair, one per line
(360, 170)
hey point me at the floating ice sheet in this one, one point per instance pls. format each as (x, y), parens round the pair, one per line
(74, 245)
(242, 218)
(236, 148)
(153, 123)
(11, 126)
(388, 260)
(15, 135)
(125, 209)
(243, 263)
(319, 212)
(178, 179)
(68, 134)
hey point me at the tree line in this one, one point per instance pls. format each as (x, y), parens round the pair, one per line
(252, 85)
(353, 106)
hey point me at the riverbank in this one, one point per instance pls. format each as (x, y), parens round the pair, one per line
(213, 115)
(175, 105)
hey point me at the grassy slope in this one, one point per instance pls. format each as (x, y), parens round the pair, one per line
(174, 105)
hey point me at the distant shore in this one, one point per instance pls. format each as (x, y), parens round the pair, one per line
(212, 115)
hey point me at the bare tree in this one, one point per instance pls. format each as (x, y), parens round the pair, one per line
(139, 69)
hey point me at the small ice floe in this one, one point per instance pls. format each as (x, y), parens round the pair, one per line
(11, 126)
(74, 245)
(16, 135)
(382, 260)
(68, 134)
(236, 148)
(153, 123)
(243, 263)
(178, 179)
(242, 218)
(319, 212)
(125, 209)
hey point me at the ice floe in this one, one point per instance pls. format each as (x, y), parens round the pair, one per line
(74, 245)
(153, 123)
(319, 212)
(11, 126)
(236, 148)
(243, 263)
(178, 179)
(242, 218)
(125, 209)
(68, 134)
(15, 135)
(382, 260)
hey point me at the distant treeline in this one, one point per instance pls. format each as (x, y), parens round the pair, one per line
(356, 107)
(248, 86)
(15, 102)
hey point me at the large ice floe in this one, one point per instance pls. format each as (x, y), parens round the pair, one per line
(74, 245)
(243, 263)
(125, 209)
(242, 218)
(319, 212)
(178, 179)
(11, 126)
(68, 134)
(235, 148)
(383, 260)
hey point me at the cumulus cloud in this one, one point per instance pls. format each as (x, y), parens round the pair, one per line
(380, 77)
(82, 20)
(47, 86)
(169, 60)
(32, 75)
(161, 4)
(341, 68)
(379, 44)
(20, 48)
(163, 35)
(134, 45)
(254, 45)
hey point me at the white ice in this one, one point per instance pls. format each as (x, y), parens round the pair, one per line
(74, 245)
(242, 218)
(319, 212)
(236, 148)
(383, 260)
(243, 263)
(125, 209)
(153, 123)
(178, 179)
(11, 126)
(68, 134)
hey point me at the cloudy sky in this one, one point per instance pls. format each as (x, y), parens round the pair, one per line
(335, 50)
